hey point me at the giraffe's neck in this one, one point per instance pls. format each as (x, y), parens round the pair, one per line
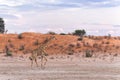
(47, 41)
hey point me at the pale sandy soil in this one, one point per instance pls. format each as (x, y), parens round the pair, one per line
(61, 68)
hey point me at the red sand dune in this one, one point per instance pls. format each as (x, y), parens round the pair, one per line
(63, 45)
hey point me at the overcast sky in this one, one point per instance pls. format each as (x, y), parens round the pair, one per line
(99, 17)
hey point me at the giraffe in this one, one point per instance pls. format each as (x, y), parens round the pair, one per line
(40, 51)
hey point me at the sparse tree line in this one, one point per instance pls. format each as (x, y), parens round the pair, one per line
(78, 32)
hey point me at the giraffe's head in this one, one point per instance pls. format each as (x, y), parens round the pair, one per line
(53, 38)
(49, 39)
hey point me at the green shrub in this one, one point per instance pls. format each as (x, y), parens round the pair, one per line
(88, 53)
(52, 33)
(8, 53)
(79, 32)
(62, 34)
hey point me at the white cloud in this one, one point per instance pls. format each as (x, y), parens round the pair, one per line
(43, 18)
(12, 2)
(111, 32)
(78, 16)
(72, 18)
(31, 30)
(51, 1)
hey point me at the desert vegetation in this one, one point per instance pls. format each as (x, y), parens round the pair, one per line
(64, 44)
(72, 50)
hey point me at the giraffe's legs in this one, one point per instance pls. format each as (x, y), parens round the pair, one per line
(36, 62)
(31, 59)
(31, 63)
(42, 62)
(43, 58)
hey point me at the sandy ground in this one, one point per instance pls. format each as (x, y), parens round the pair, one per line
(61, 68)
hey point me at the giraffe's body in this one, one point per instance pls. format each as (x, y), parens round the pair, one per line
(40, 51)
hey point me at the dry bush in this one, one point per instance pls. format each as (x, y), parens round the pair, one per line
(95, 45)
(80, 39)
(102, 42)
(90, 37)
(27, 51)
(55, 44)
(117, 47)
(119, 38)
(105, 51)
(70, 53)
(92, 51)
(71, 45)
(96, 38)
(22, 47)
(115, 55)
(105, 37)
(87, 44)
(62, 47)
(79, 51)
(113, 45)
(11, 45)
(20, 36)
(115, 38)
(107, 42)
(36, 42)
(78, 45)
(9, 40)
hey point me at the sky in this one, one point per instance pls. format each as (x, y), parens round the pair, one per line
(97, 17)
